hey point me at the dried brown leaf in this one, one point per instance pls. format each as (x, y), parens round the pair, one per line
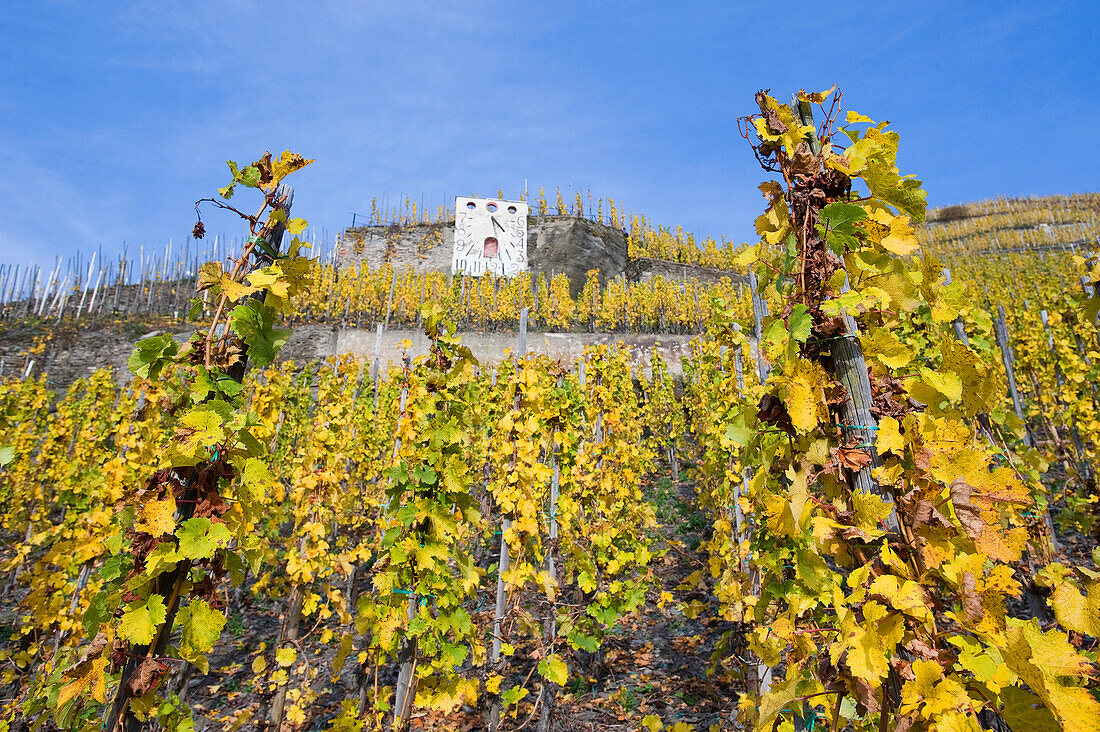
(852, 458)
(147, 675)
(926, 513)
(971, 602)
(969, 515)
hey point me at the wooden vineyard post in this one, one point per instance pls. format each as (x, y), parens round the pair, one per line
(1000, 329)
(64, 295)
(522, 345)
(1035, 602)
(505, 559)
(859, 426)
(403, 689)
(1084, 469)
(10, 278)
(364, 684)
(170, 584)
(673, 455)
(84, 294)
(46, 292)
(498, 616)
(740, 533)
(377, 365)
(463, 316)
(389, 300)
(95, 295)
(759, 312)
(549, 627)
(763, 672)
(288, 637)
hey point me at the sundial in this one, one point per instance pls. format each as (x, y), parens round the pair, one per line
(490, 236)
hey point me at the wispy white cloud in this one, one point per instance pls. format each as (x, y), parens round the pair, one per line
(116, 116)
(50, 215)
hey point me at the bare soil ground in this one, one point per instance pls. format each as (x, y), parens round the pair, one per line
(656, 662)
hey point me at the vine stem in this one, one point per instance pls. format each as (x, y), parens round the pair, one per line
(246, 252)
(119, 714)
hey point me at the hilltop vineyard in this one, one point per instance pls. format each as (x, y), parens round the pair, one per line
(865, 498)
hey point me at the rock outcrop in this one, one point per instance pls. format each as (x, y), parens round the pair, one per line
(643, 269)
(575, 245)
(555, 244)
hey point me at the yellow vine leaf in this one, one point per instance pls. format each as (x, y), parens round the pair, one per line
(946, 383)
(984, 662)
(889, 436)
(774, 224)
(903, 595)
(781, 695)
(792, 132)
(286, 656)
(815, 97)
(202, 626)
(900, 290)
(1076, 611)
(553, 669)
(980, 385)
(882, 345)
(869, 511)
(902, 239)
(270, 279)
(492, 683)
(1043, 660)
(747, 257)
(949, 302)
(283, 166)
(929, 694)
(296, 226)
(157, 518)
(869, 644)
(1025, 711)
(202, 427)
(342, 653)
(210, 274)
(90, 675)
(139, 622)
(235, 290)
(805, 399)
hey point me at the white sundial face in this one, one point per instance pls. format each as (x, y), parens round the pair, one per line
(490, 236)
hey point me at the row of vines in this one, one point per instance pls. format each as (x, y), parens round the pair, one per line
(887, 463)
(378, 495)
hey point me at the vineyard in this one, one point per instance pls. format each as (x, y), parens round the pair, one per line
(869, 503)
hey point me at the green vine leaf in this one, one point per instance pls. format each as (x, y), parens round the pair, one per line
(151, 355)
(253, 322)
(201, 627)
(139, 622)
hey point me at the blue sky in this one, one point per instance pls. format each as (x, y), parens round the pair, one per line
(116, 116)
